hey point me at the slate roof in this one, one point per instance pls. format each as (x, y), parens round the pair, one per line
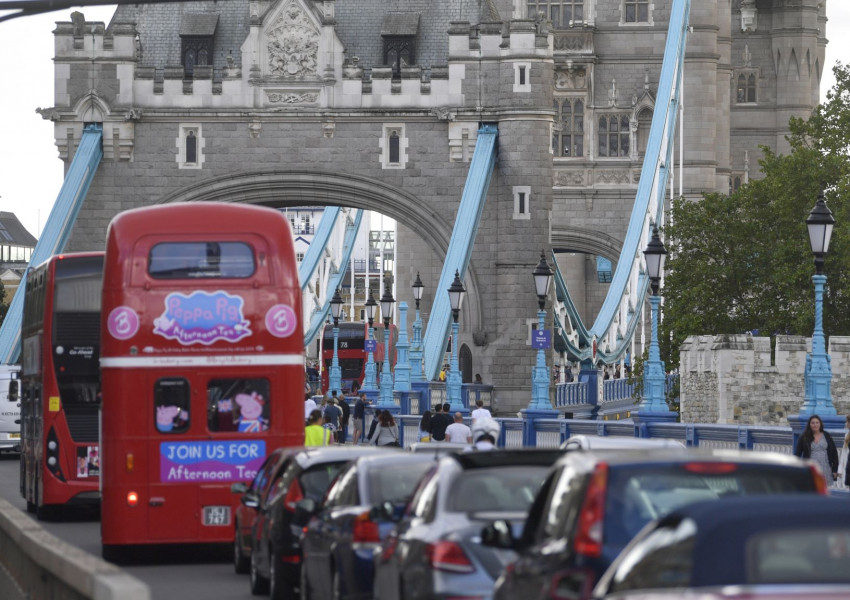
(199, 24)
(400, 24)
(12, 232)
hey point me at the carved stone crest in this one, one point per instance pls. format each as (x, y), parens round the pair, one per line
(573, 177)
(292, 97)
(293, 44)
(615, 177)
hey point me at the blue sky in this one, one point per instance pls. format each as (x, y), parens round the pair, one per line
(30, 171)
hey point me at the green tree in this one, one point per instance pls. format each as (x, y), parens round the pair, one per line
(743, 262)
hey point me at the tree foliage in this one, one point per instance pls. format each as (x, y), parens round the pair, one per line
(743, 262)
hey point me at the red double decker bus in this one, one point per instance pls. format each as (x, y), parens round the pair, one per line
(202, 367)
(60, 331)
(351, 351)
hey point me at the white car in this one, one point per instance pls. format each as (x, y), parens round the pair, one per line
(596, 442)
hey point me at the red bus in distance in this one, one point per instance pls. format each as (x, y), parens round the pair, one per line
(60, 332)
(351, 352)
(202, 367)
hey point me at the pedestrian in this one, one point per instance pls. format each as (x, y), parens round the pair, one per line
(568, 374)
(386, 433)
(309, 406)
(485, 433)
(478, 380)
(425, 427)
(845, 450)
(342, 436)
(480, 412)
(627, 363)
(438, 425)
(816, 444)
(458, 432)
(359, 414)
(333, 415)
(314, 433)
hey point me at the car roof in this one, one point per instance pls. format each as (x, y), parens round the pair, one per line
(613, 457)
(376, 460)
(596, 442)
(315, 455)
(788, 511)
(504, 458)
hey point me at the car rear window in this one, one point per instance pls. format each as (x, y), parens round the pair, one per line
(316, 480)
(395, 483)
(808, 555)
(496, 489)
(636, 495)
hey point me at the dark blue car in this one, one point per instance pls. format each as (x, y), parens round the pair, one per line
(357, 513)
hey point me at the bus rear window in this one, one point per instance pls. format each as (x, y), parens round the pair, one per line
(238, 405)
(192, 260)
(171, 399)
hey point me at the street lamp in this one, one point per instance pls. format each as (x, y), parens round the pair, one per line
(370, 381)
(416, 347)
(540, 375)
(453, 384)
(387, 302)
(335, 375)
(818, 370)
(654, 378)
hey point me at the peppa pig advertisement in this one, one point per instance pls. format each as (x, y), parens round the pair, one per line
(210, 461)
(202, 318)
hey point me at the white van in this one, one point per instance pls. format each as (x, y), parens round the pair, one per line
(10, 408)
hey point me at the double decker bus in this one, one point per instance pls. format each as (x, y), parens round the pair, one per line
(202, 367)
(60, 387)
(351, 351)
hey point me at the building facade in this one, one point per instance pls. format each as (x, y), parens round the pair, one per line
(377, 105)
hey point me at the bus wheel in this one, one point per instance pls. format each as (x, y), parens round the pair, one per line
(241, 563)
(114, 554)
(30, 507)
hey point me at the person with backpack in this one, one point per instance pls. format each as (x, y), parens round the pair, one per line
(386, 432)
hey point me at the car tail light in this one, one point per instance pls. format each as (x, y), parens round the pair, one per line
(820, 480)
(710, 468)
(293, 495)
(365, 531)
(588, 540)
(448, 556)
(572, 584)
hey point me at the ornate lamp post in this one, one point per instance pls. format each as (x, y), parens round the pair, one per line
(453, 384)
(653, 403)
(417, 374)
(370, 381)
(386, 398)
(335, 375)
(818, 370)
(540, 375)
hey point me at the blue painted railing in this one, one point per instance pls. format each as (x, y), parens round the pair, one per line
(56, 231)
(460, 246)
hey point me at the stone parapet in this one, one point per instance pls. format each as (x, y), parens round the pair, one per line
(732, 379)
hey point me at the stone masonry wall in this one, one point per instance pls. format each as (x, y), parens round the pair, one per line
(731, 379)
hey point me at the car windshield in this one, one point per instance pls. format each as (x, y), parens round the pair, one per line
(395, 483)
(496, 489)
(637, 495)
(316, 480)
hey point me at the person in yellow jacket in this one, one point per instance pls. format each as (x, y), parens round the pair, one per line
(314, 433)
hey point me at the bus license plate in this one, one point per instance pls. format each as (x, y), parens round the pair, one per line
(14, 436)
(216, 515)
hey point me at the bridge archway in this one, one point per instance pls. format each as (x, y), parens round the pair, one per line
(283, 187)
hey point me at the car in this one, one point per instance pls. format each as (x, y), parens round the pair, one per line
(358, 512)
(606, 442)
(785, 546)
(276, 551)
(254, 496)
(593, 502)
(434, 447)
(435, 550)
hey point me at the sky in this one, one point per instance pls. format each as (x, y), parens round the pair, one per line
(30, 170)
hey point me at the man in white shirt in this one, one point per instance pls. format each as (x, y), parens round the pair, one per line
(457, 432)
(309, 406)
(480, 412)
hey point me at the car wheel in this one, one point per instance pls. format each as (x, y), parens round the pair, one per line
(259, 584)
(241, 563)
(304, 584)
(281, 587)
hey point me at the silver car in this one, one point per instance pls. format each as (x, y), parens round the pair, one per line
(435, 550)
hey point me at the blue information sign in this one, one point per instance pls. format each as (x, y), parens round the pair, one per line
(541, 340)
(371, 345)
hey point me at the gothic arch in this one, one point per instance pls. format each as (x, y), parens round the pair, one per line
(279, 188)
(589, 241)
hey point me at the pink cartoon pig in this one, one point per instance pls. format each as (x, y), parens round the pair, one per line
(165, 417)
(251, 412)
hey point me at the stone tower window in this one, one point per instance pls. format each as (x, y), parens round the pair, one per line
(197, 31)
(393, 145)
(522, 77)
(636, 11)
(746, 88)
(568, 131)
(613, 136)
(398, 33)
(190, 146)
(522, 199)
(562, 13)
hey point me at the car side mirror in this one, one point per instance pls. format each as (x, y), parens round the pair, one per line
(238, 488)
(304, 509)
(498, 534)
(250, 500)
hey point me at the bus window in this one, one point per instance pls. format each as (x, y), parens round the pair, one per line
(183, 260)
(13, 390)
(238, 405)
(171, 401)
